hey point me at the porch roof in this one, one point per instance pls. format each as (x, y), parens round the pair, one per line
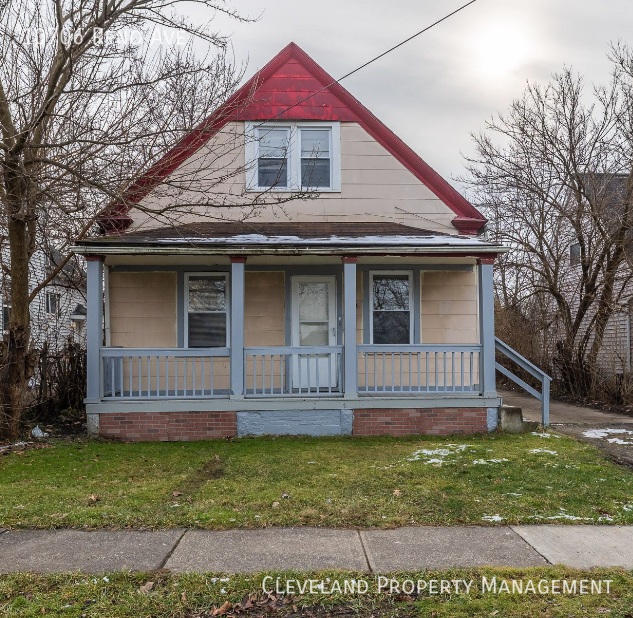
(285, 237)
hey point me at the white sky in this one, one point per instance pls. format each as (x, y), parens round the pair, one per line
(442, 86)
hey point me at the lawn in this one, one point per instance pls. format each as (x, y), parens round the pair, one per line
(344, 482)
(196, 596)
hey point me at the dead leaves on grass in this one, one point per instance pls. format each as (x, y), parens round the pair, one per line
(145, 588)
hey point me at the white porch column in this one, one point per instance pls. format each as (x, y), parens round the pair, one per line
(350, 373)
(486, 327)
(94, 327)
(237, 325)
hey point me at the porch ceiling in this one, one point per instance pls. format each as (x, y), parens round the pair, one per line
(286, 238)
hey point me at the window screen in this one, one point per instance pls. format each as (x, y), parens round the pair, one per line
(206, 318)
(391, 311)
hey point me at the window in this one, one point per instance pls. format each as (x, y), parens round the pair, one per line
(390, 321)
(574, 254)
(206, 311)
(291, 156)
(52, 303)
(315, 158)
(272, 162)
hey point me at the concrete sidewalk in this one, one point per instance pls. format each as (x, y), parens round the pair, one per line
(376, 551)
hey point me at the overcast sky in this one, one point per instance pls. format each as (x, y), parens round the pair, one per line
(440, 87)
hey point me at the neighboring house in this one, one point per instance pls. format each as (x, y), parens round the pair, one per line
(58, 312)
(366, 310)
(616, 350)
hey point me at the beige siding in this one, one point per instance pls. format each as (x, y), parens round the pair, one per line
(449, 307)
(375, 186)
(143, 309)
(264, 309)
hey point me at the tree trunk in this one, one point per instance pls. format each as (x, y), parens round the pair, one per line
(17, 368)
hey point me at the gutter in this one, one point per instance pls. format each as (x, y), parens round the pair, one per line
(288, 250)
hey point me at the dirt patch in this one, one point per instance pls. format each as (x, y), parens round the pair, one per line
(621, 454)
(212, 469)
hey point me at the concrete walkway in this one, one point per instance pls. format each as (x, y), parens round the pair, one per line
(375, 551)
(562, 413)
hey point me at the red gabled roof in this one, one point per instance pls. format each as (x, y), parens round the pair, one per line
(278, 91)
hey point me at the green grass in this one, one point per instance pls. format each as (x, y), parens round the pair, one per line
(330, 482)
(193, 596)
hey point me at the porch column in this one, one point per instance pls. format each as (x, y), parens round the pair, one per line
(237, 325)
(486, 327)
(94, 327)
(350, 373)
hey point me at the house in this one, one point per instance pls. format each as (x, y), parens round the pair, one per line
(58, 311)
(615, 354)
(366, 309)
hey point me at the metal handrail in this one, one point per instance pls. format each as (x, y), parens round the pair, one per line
(533, 370)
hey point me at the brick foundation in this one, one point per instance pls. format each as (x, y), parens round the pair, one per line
(411, 422)
(163, 426)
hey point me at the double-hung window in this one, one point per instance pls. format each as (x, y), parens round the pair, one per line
(207, 310)
(272, 160)
(390, 308)
(316, 163)
(293, 156)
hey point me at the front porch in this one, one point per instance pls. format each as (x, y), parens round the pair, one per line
(259, 343)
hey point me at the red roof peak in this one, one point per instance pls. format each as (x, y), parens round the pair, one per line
(292, 86)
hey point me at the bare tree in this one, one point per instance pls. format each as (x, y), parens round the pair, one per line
(555, 171)
(92, 94)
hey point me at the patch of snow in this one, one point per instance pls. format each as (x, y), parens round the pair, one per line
(261, 239)
(628, 507)
(496, 517)
(512, 494)
(543, 450)
(603, 433)
(489, 461)
(437, 455)
(618, 441)
(541, 435)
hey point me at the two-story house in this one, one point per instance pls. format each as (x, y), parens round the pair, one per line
(365, 310)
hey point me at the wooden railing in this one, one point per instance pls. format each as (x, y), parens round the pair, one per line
(413, 369)
(153, 373)
(297, 371)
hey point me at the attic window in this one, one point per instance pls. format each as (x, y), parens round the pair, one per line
(574, 254)
(293, 156)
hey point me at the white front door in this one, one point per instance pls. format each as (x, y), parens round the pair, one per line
(314, 324)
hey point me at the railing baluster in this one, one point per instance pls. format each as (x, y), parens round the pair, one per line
(309, 358)
(211, 379)
(393, 371)
(366, 361)
(453, 371)
(272, 374)
(166, 376)
(282, 371)
(400, 386)
(299, 369)
(470, 376)
(461, 380)
(410, 380)
(318, 381)
(112, 381)
(384, 371)
(329, 373)
(129, 374)
(375, 388)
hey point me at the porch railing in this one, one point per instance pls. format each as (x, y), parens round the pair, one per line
(153, 373)
(533, 370)
(413, 369)
(293, 371)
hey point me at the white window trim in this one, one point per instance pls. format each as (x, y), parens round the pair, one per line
(294, 155)
(370, 294)
(228, 306)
